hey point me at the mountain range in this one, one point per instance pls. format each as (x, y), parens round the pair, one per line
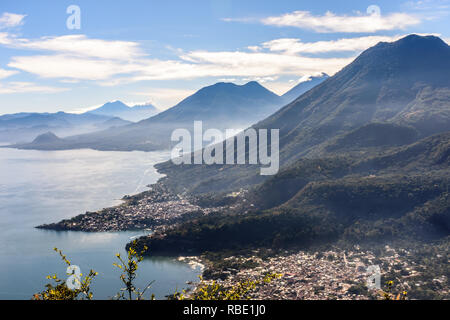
(365, 160)
(220, 106)
(404, 83)
(121, 110)
(23, 127)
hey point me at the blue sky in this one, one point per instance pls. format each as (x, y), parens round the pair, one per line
(161, 51)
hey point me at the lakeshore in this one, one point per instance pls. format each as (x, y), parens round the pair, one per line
(40, 187)
(155, 210)
(336, 273)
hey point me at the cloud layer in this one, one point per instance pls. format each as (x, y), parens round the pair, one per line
(76, 45)
(79, 58)
(72, 59)
(331, 23)
(295, 46)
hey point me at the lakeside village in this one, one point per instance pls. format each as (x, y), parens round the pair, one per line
(155, 210)
(334, 274)
(331, 274)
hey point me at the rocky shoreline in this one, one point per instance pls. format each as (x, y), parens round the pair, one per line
(155, 209)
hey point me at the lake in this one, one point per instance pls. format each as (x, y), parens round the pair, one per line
(39, 187)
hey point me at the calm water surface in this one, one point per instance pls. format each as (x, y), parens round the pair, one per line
(39, 187)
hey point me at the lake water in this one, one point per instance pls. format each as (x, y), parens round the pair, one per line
(39, 187)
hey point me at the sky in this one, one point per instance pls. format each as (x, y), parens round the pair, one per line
(160, 52)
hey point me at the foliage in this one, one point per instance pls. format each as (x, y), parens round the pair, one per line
(129, 273)
(215, 291)
(60, 291)
(388, 293)
(351, 210)
(205, 290)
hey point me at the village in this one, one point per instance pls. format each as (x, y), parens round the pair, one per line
(334, 274)
(155, 209)
(326, 274)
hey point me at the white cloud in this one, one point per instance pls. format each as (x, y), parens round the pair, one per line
(71, 81)
(4, 38)
(76, 58)
(7, 73)
(331, 22)
(228, 79)
(68, 67)
(305, 78)
(295, 46)
(261, 79)
(26, 87)
(9, 20)
(428, 4)
(196, 64)
(261, 64)
(430, 9)
(281, 87)
(254, 48)
(77, 45)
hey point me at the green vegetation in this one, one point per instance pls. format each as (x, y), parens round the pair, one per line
(389, 96)
(431, 281)
(375, 135)
(204, 290)
(351, 210)
(59, 290)
(214, 291)
(400, 194)
(389, 294)
(397, 196)
(129, 269)
(352, 169)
